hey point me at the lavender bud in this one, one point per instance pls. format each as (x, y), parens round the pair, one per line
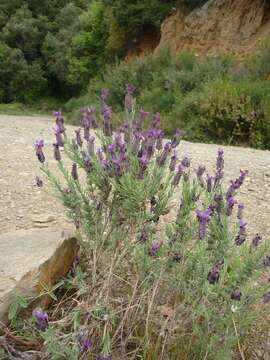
(74, 172)
(266, 261)
(39, 182)
(154, 248)
(78, 137)
(204, 218)
(185, 162)
(213, 276)
(241, 237)
(56, 152)
(163, 157)
(177, 137)
(91, 146)
(84, 344)
(209, 183)
(177, 176)
(173, 161)
(236, 295)
(240, 211)
(230, 204)
(42, 320)
(256, 240)
(58, 136)
(39, 144)
(266, 298)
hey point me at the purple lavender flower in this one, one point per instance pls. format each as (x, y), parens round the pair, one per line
(218, 198)
(129, 100)
(209, 183)
(144, 236)
(213, 275)
(127, 131)
(256, 240)
(59, 121)
(204, 218)
(173, 161)
(103, 357)
(240, 211)
(185, 162)
(58, 136)
(177, 258)
(92, 117)
(186, 177)
(236, 184)
(153, 203)
(236, 295)
(266, 261)
(74, 171)
(107, 120)
(199, 172)
(107, 167)
(86, 133)
(56, 152)
(91, 146)
(111, 148)
(39, 144)
(144, 114)
(87, 164)
(177, 137)
(85, 121)
(155, 246)
(84, 344)
(42, 319)
(163, 157)
(266, 298)
(177, 176)
(230, 205)
(219, 168)
(39, 182)
(143, 162)
(159, 136)
(104, 94)
(78, 137)
(136, 142)
(241, 237)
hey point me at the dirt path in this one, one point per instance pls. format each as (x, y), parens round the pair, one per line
(23, 205)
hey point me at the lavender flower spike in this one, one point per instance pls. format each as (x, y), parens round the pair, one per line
(162, 159)
(177, 176)
(241, 237)
(256, 240)
(39, 182)
(154, 248)
(177, 137)
(39, 144)
(173, 161)
(129, 100)
(240, 211)
(56, 152)
(78, 137)
(204, 218)
(84, 344)
(213, 275)
(236, 295)
(74, 171)
(42, 320)
(58, 136)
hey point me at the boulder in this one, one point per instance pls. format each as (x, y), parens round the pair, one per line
(31, 258)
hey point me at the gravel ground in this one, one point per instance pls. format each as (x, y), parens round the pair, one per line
(23, 205)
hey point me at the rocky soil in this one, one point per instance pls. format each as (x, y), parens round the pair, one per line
(24, 206)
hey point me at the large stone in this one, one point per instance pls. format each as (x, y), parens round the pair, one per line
(31, 258)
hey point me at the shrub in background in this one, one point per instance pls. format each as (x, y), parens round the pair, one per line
(192, 290)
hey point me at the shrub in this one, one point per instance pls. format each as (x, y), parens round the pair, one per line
(225, 113)
(190, 291)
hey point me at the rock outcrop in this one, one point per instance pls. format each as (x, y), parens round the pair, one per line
(31, 258)
(220, 26)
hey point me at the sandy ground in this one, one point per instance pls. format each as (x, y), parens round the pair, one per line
(23, 205)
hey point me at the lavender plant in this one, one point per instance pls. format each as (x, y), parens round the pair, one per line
(194, 290)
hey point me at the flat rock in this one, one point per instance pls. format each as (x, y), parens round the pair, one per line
(31, 258)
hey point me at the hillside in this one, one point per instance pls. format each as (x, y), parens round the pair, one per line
(218, 27)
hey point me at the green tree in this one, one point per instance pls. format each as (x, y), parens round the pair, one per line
(88, 46)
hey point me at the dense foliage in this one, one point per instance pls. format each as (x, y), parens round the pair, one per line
(67, 42)
(215, 99)
(195, 289)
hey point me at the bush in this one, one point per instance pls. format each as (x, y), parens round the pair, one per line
(190, 291)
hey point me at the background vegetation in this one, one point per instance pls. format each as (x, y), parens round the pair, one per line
(68, 50)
